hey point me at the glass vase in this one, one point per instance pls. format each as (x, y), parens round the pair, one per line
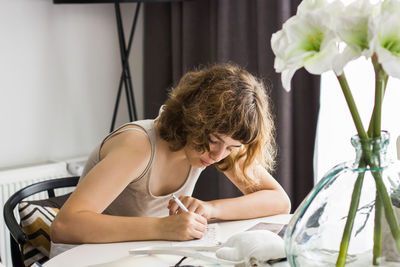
(314, 234)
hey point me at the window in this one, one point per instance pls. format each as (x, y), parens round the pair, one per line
(335, 125)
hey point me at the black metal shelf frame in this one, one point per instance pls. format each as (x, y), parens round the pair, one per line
(125, 78)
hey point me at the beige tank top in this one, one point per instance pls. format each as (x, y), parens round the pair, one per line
(136, 199)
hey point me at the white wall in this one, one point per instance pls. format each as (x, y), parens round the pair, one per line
(59, 73)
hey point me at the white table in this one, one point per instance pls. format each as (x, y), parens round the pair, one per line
(117, 254)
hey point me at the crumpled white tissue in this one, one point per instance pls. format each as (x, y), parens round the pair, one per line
(254, 248)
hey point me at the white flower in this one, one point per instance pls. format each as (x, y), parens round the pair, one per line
(305, 40)
(387, 37)
(354, 26)
(318, 6)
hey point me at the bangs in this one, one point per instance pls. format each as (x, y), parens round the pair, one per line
(246, 129)
(246, 135)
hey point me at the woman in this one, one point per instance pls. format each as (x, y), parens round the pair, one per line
(218, 115)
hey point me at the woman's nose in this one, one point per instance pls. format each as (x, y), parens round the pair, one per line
(217, 154)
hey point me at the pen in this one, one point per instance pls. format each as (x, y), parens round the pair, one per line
(180, 204)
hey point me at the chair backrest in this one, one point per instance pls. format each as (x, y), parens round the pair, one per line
(17, 237)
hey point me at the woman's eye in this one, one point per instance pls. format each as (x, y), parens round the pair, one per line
(212, 141)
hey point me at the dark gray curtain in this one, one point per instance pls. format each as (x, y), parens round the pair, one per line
(182, 35)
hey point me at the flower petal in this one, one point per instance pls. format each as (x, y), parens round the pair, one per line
(328, 9)
(305, 40)
(323, 60)
(387, 38)
(354, 25)
(349, 53)
(279, 64)
(278, 43)
(310, 5)
(390, 62)
(286, 78)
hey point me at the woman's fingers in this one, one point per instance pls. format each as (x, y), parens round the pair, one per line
(200, 227)
(197, 206)
(184, 226)
(172, 207)
(192, 204)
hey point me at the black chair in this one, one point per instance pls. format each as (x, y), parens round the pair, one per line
(17, 237)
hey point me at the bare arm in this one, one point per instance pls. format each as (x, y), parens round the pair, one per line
(80, 219)
(268, 199)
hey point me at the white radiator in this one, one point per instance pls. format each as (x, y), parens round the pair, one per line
(15, 179)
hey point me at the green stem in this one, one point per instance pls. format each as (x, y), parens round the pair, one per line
(374, 130)
(380, 87)
(367, 156)
(388, 207)
(383, 195)
(377, 231)
(355, 200)
(352, 106)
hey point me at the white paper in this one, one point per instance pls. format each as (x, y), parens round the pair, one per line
(210, 238)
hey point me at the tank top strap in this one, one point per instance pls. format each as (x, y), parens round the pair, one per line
(118, 131)
(146, 127)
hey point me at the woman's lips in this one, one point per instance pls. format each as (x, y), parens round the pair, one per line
(205, 163)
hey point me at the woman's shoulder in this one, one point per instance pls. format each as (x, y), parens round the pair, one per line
(129, 139)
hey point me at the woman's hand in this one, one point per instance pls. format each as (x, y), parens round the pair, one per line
(183, 226)
(195, 205)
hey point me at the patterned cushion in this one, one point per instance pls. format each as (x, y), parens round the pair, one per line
(35, 222)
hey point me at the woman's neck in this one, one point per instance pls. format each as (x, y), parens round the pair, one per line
(172, 156)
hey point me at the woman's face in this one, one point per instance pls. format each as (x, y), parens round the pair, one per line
(220, 147)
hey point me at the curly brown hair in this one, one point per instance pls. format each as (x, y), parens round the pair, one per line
(222, 99)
